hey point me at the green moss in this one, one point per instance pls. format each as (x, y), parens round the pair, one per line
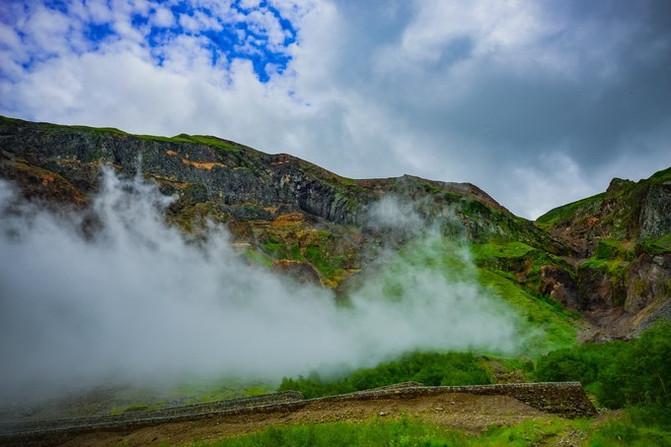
(612, 248)
(614, 267)
(206, 140)
(659, 245)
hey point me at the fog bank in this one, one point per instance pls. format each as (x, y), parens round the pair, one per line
(137, 302)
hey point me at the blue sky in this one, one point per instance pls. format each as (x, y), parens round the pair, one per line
(539, 103)
(225, 37)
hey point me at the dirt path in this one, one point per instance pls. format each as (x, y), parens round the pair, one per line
(459, 410)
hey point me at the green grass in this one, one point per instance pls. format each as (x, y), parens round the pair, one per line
(547, 324)
(661, 176)
(259, 258)
(376, 432)
(519, 262)
(490, 250)
(614, 267)
(566, 212)
(198, 391)
(206, 140)
(410, 432)
(624, 433)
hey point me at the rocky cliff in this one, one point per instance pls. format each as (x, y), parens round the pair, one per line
(623, 239)
(607, 256)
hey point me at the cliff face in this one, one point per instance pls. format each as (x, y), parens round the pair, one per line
(623, 237)
(281, 205)
(608, 253)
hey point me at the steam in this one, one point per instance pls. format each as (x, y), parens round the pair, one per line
(139, 302)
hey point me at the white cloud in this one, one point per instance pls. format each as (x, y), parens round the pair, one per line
(556, 178)
(436, 89)
(163, 17)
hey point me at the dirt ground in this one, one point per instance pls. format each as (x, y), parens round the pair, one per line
(464, 411)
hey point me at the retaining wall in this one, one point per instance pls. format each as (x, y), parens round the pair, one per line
(567, 399)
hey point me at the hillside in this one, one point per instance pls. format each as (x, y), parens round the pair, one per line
(607, 256)
(623, 237)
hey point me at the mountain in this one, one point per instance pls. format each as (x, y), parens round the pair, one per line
(607, 257)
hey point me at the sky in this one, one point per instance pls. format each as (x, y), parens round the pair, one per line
(537, 102)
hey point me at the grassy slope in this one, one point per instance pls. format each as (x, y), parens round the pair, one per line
(566, 212)
(547, 324)
(543, 325)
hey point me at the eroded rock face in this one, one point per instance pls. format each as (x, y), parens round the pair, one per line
(655, 217)
(559, 285)
(648, 281)
(599, 290)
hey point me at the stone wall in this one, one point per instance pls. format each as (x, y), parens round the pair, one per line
(167, 414)
(564, 398)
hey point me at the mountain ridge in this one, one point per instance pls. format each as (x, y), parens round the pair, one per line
(606, 256)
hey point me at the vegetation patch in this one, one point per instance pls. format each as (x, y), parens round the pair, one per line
(568, 211)
(613, 267)
(428, 368)
(619, 373)
(547, 324)
(414, 432)
(613, 248)
(657, 246)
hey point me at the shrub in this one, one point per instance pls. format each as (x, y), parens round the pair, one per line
(427, 368)
(618, 373)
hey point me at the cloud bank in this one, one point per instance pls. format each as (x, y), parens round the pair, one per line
(538, 103)
(136, 302)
